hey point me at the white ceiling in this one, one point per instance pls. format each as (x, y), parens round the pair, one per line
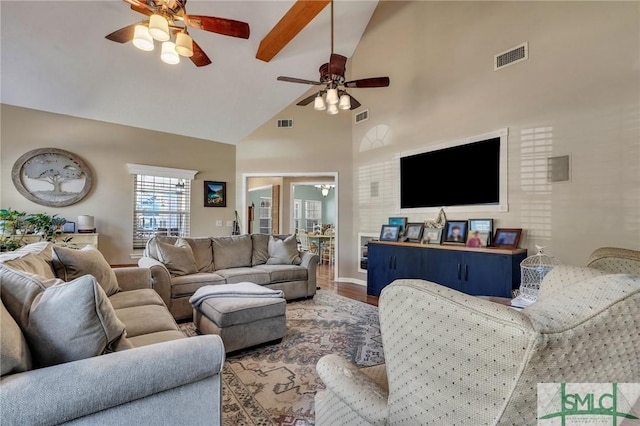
(54, 57)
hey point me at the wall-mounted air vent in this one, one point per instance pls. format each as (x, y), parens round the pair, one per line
(511, 56)
(362, 116)
(285, 123)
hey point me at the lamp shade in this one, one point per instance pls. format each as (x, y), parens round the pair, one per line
(332, 96)
(159, 27)
(184, 45)
(318, 103)
(169, 54)
(142, 39)
(345, 102)
(332, 109)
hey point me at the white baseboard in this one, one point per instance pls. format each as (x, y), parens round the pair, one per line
(352, 280)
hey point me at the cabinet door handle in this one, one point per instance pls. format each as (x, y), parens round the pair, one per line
(466, 272)
(395, 259)
(459, 271)
(390, 262)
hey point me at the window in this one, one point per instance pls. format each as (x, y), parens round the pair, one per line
(265, 215)
(312, 214)
(162, 200)
(297, 214)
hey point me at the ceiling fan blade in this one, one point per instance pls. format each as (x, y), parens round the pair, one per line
(308, 100)
(298, 80)
(141, 8)
(122, 35)
(223, 26)
(337, 64)
(199, 58)
(296, 18)
(368, 82)
(354, 103)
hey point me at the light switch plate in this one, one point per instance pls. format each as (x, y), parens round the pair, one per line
(229, 223)
(218, 223)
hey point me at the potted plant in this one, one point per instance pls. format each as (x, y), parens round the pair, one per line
(11, 234)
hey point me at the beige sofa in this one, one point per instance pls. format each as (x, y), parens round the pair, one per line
(452, 358)
(180, 266)
(98, 348)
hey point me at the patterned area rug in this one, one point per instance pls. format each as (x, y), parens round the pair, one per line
(275, 384)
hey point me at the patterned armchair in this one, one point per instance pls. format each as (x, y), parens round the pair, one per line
(452, 358)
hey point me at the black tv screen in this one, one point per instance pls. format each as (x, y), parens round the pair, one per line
(457, 176)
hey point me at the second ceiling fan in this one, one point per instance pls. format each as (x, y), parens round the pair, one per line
(335, 85)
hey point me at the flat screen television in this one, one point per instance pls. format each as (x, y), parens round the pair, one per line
(460, 175)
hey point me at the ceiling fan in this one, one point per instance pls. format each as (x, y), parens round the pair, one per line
(170, 16)
(333, 80)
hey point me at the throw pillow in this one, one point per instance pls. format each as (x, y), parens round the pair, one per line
(63, 322)
(260, 253)
(232, 252)
(34, 258)
(14, 351)
(178, 258)
(70, 264)
(283, 252)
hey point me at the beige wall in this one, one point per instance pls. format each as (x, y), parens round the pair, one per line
(577, 95)
(106, 148)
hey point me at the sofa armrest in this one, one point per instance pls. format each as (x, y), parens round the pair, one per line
(65, 392)
(133, 278)
(310, 261)
(160, 277)
(357, 390)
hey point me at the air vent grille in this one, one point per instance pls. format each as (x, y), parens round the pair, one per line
(362, 116)
(285, 123)
(511, 56)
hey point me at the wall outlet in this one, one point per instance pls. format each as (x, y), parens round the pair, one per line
(229, 223)
(218, 223)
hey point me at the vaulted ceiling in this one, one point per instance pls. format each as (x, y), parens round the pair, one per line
(54, 57)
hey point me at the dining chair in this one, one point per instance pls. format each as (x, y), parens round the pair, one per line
(327, 250)
(305, 243)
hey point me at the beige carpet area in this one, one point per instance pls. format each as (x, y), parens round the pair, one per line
(275, 384)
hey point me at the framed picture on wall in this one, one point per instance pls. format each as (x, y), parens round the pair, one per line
(215, 194)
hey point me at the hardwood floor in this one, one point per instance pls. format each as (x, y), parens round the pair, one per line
(324, 279)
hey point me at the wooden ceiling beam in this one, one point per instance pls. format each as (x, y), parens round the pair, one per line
(296, 18)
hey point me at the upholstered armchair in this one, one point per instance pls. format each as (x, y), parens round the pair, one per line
(452, 358)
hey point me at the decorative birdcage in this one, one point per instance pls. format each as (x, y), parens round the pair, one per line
(532, 271)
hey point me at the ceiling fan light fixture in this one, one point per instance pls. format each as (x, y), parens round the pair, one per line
(345, 102)
(332, 109)
(169, 54)
(332, 96)
(142, 39)
(184, 44)
(159, 27)
(318, 103)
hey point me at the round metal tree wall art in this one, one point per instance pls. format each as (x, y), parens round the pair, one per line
(52, 177)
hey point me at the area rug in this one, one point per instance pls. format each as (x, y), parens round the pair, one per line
(275, 384)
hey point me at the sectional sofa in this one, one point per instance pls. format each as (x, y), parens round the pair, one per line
(180, 266)
(86, 344)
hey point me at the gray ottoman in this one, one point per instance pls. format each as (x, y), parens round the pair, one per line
(242, 322)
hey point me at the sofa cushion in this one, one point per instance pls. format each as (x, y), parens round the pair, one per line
(140, 297)
(70, 264)
(228, 311)
(157, 337)
(564, 276)
(34, 258)
(61, 322)
(283, 251)
(178, 257)
(252, 275)
(15, 356)
(188, 284)
(285, 273)
(260, 253)
(146, 319)
(202, 253)
(232, 252)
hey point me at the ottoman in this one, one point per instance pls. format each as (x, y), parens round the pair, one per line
(242, 321)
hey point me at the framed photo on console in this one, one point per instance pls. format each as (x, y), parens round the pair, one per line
(432, 235)
(389, 232)
(455, 232)
(402, 221)
(480, 232)
(507, 238)
(414, 232)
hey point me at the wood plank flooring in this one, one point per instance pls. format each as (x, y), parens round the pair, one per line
(324, 279)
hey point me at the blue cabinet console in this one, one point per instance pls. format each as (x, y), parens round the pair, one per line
(475, 271)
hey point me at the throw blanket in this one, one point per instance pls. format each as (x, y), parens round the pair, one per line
(243, 289)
